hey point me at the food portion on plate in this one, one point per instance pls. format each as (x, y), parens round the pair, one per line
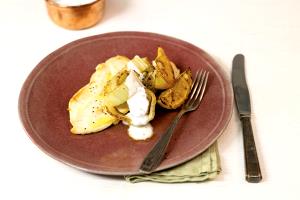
(127, 90)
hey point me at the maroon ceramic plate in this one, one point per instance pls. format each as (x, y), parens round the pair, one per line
(45, 94)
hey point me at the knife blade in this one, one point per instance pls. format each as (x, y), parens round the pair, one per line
(242, 100)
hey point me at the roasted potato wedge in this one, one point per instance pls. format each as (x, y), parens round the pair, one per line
(174, 97)
(164, 76)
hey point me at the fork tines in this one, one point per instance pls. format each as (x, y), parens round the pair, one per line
(198, 87)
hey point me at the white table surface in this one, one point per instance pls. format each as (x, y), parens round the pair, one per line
(267, 32)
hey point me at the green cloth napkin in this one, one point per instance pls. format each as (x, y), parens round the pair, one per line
(206, 166)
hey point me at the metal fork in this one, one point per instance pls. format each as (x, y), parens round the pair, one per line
(155, 156)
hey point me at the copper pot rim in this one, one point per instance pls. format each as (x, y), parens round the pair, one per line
(52, 2)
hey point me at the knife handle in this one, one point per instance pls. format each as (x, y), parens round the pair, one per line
(253, 173)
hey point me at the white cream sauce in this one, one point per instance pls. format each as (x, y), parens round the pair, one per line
(138, 104)
(140, 132)
(73, 2)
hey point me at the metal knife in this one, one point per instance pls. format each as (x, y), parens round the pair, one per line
(242, 100)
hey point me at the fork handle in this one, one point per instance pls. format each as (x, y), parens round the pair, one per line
(253, 173)
(156, 155)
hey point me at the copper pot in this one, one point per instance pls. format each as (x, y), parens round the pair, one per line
(76, 17)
